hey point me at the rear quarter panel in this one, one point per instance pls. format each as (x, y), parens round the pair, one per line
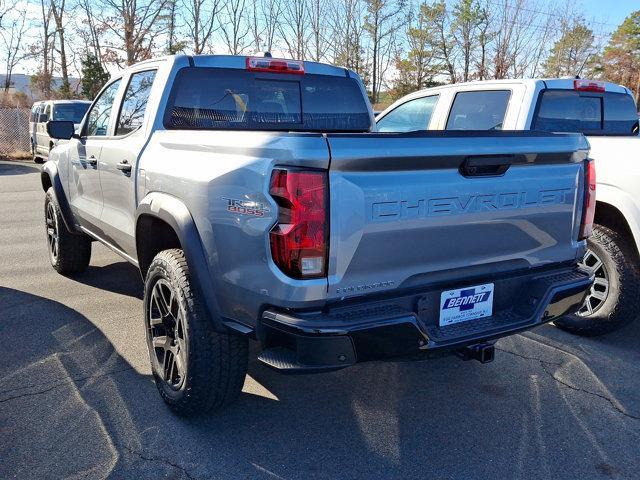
(618, 176)
(214, 173)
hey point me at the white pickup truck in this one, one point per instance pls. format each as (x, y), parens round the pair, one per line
(606, 113)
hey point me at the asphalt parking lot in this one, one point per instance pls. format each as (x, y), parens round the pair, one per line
(77, 399)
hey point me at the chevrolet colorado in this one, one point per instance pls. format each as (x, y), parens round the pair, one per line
(258, 202)
(607, 114)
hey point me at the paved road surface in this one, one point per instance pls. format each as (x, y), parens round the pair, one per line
(77, 400)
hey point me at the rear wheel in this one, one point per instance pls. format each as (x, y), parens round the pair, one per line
(68, 252)
(614, 298)
(196, 369)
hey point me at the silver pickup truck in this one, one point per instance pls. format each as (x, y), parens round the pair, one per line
(259, 202)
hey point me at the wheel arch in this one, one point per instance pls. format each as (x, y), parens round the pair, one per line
(172, 225)
(49, 178)
(611, 216)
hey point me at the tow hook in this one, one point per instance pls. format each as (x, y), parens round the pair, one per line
(483, 352)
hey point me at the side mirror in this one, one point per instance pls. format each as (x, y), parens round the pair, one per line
(61, 130)
(42, 118)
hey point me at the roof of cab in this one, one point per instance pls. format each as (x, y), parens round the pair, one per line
(555, 83)
(239, 62)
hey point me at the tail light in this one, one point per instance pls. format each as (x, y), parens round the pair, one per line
(589, 209)
(299, 240)
(588, 86)
(275, 65)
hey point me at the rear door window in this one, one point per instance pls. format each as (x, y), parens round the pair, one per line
(478, 110)
(232, 99)
(586, 112)
(410, 116)
(135, 102)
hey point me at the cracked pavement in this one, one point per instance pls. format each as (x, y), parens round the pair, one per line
(77, 399)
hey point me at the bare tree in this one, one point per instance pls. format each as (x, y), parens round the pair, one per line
(134, 24)
(200, 18)
(516, 36)
(234, 26)
(41, 81)
(5, 7)
(347, 34)
(93, 33)
(57, 10)
(382, 22)
(318, 45)
(11, 41)
(271, 10)
(293, 27)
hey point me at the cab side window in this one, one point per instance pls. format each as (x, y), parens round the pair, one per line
(135, 102)
(478, 110)
(410, 116)
(98, 118)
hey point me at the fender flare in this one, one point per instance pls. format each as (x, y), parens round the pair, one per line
(175, 213)
(49, 177)
(624, 203)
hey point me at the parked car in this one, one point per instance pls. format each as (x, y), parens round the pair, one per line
(606, 113)
(258, 203)
(45, 111)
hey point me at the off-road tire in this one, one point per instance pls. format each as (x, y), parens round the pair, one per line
(73, 251)
(623, 300)
(216, 363)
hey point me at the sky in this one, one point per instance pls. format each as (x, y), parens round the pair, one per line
(605, 16)
(609, 11)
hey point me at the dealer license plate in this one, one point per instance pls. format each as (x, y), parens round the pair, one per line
(466, 304)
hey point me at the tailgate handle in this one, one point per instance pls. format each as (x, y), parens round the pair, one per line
(486, 166)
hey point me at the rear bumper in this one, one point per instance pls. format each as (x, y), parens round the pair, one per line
(407, 325)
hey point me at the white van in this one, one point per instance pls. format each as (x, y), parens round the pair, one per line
(42, 112)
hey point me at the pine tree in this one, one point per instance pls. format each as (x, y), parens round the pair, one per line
(621, 59)
(573, 53)
(93, 76)
(421, 65)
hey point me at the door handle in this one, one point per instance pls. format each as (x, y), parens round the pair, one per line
(124, 167)
(92, 160)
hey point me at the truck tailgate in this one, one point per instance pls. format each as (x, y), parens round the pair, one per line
(409, 210)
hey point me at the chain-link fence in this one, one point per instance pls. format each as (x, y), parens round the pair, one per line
(14, 131)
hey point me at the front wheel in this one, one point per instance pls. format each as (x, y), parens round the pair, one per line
(196, 369)
(614, 298)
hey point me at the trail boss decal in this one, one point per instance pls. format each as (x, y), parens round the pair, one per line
(246, 207)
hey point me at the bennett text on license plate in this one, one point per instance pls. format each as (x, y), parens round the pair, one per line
(466, 304)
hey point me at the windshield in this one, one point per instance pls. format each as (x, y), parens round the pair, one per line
(72, 112)
(218, 98)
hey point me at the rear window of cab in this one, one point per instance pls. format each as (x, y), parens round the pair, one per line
(204, 98)
(590, 113)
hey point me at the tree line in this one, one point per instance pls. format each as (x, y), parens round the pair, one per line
(397, 46)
